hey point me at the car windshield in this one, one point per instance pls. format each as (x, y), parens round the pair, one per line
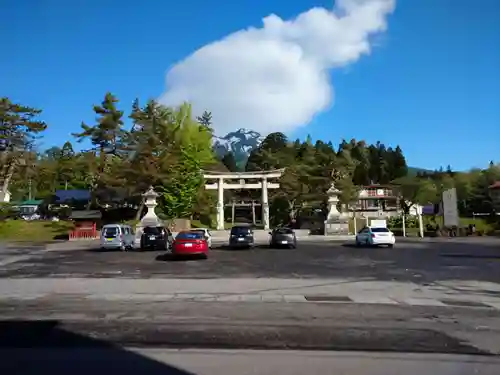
(111, 231)
(198, 231)
(284, 231)
(380, 230)
(241, 230)
(152, 230)
(189, 236)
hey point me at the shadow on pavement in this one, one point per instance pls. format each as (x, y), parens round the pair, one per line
(101, 250)
(472, 256)
(226, 247)
(169, 257)
(43, 347)
(58, 348)
(348, 244)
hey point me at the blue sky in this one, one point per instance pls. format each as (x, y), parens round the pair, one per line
(431, 83)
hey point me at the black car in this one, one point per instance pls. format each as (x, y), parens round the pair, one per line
(156, 238)
(241, 236)
(283, 237)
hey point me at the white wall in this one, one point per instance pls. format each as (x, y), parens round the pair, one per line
(5, 197)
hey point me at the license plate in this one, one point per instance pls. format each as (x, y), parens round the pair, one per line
(152, 237)
(109, 239)
(241, 239)
(188, 245)
(284, 242)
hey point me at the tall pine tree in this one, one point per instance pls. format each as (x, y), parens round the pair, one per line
(205, 120)
(399, 166)
(106, 137)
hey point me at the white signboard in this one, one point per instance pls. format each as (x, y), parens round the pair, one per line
(450, 209)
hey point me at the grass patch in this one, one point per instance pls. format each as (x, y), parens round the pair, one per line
(34, 231)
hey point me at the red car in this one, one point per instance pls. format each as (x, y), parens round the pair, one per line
(190, 243)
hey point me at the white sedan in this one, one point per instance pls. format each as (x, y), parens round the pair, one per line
(375, 236)
(206, 233)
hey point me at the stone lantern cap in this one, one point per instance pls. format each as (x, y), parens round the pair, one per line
(150, 193)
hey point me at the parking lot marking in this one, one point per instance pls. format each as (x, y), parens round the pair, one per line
(326, 298)
(205, 297)
(273, 298)
(422, 302)
(228, 298)
(294, 298)
(459, 303)
(371, 299)
(251, 298)
(495, 305)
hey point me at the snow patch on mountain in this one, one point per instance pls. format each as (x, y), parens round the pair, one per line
(240, 142)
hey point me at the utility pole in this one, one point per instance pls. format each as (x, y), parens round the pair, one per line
(29, 188)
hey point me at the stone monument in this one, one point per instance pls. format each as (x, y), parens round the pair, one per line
(337, 223)
(150, 219)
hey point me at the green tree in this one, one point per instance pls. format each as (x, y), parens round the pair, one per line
(361, 155)
(18, 128)
(398, 163)
(107, 134)
(180, 193)
(229, 161)
(190, 153)
(414, 190)
(106, 137)
(345, 166)
(273, 153)
(205, 120)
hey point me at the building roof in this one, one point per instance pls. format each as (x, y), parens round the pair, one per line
(377, 186)
(86, 214)
(72, 195)
(495, 186)
(31, 202)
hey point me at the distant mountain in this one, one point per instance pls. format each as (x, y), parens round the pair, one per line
(240, 142)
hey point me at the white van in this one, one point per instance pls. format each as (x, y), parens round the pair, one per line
(117, 236)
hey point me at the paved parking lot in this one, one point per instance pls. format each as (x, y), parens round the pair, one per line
(432, 296)
(417, 262)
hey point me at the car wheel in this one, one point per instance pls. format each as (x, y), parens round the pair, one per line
(358, 244)
(391, 245)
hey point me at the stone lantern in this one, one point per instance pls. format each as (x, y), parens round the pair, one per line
(150, 219)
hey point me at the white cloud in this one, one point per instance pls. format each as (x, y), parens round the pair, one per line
(276, 78)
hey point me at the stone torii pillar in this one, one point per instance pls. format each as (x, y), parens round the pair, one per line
(220, 204)
(265, 204)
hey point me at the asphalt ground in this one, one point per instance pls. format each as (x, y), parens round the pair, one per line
(417, 262)
(75, 323)
(58, 321)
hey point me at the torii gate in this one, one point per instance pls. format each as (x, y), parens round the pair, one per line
(221, 185)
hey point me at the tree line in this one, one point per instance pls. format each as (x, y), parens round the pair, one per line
(168, 147)
(164, 147)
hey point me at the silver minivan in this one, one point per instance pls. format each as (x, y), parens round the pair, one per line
(117, 236)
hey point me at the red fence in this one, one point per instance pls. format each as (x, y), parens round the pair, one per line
(84, 233)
